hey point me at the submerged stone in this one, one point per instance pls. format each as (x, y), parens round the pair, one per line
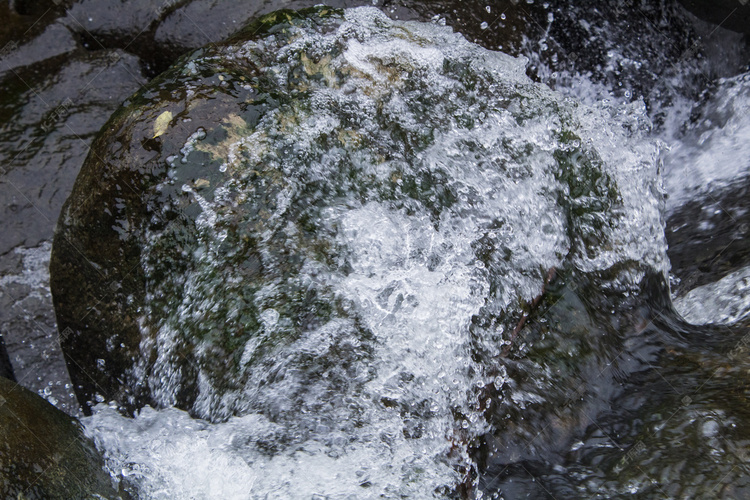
(333, 224)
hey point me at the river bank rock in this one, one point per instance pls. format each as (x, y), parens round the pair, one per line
(48, 124)
(43, 452)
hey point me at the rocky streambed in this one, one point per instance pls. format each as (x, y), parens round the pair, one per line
(338, 254)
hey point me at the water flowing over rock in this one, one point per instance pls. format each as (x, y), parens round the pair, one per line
(333, 227)
(707, 178)
(725, 301)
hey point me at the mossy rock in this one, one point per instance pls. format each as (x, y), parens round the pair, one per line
(44, 453)
(221, 216)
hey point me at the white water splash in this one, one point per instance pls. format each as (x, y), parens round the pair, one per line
(725, 301)
(716, 153)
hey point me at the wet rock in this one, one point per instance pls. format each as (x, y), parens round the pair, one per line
(729, 14)
(24, 20)
(332, 224)
(44, 453)
(55, 41)
(28, 324)
(200, 22)
(45, 133)
(6, 369)
(726, 301)
(30, 34)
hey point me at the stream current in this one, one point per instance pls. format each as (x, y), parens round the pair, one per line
(599, 384)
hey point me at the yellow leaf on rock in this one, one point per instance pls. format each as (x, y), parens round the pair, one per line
(162, 122)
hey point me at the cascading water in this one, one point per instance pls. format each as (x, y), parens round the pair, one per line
(415, 206)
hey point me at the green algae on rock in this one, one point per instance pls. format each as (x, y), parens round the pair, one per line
(331, 222)
(44, 453)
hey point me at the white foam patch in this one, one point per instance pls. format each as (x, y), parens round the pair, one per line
(716, 153)
(725, 301)
(35, 273)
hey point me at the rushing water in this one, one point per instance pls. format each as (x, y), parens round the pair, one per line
(445, 392)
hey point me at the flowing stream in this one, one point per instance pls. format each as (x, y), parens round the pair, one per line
(532, 370)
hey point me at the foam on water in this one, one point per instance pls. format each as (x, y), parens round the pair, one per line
(714, 152)
(448, 198)
(35, 273)
(725, 301)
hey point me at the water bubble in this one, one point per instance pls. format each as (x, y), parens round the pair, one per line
(484, 25)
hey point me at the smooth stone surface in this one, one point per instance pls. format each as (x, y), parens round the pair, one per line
(44, 453)
(729, 14)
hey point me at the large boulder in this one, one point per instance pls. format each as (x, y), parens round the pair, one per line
(44, 453)
(336, 223)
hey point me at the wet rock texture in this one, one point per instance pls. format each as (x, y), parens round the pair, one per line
(729, 14)
(65, 66)
(212, 255)
(99, 255)
(51, 52)
(6, 369)
(43, 452)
